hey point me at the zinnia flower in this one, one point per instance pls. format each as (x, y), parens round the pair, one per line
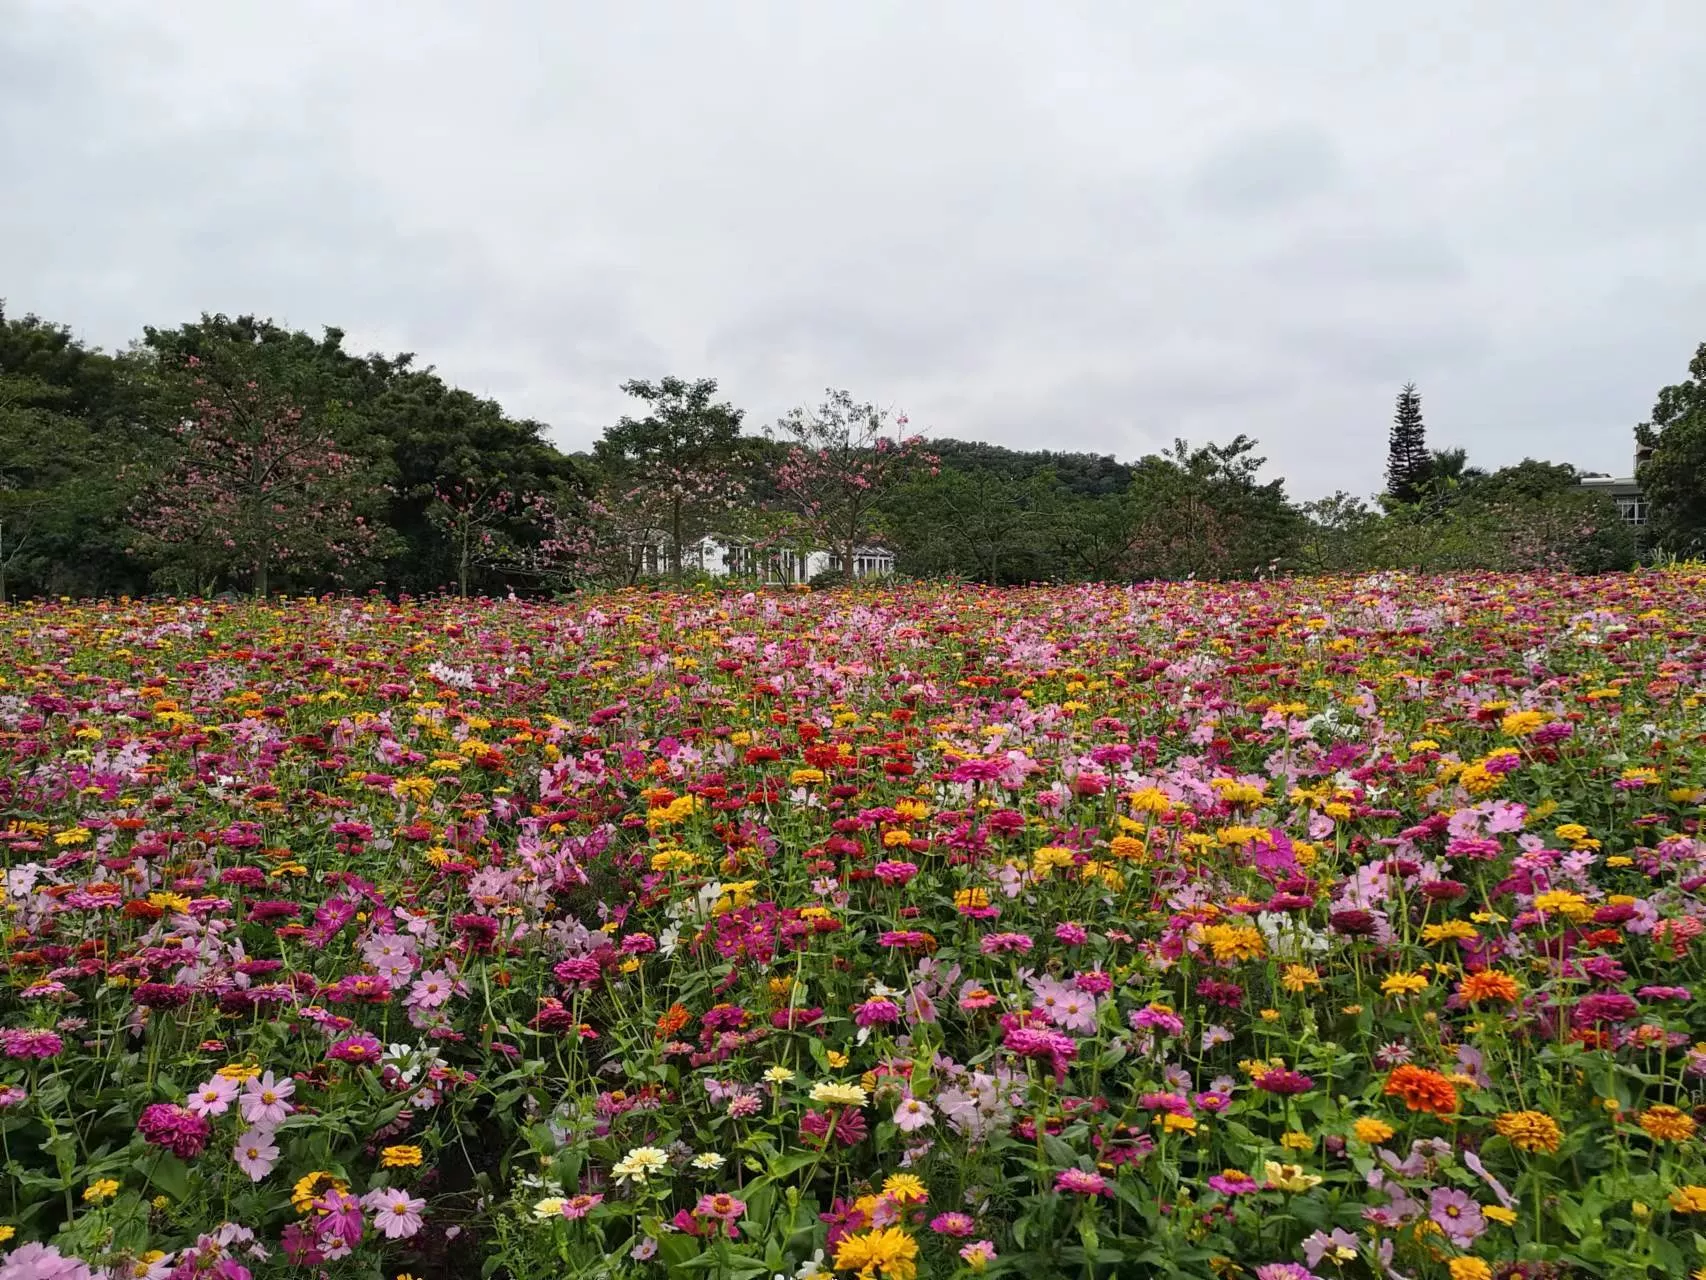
(1530, 1131)
(888, 1254)
(1422, 1090)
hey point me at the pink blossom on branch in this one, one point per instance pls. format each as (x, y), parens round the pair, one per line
(255, 483)
(843, 460)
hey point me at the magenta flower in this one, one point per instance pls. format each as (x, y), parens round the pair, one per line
(27, 1043)
(1284, 1082)
(356, 1049)
(177, 1129)
(876, 1013)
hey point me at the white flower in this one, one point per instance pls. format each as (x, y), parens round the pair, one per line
(709, 1161)
(640, 1164)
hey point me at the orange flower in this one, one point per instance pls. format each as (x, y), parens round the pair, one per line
(673, 1021)
(1422, 1090)
(1530, 1131)
(1489, 985)
(1665, 1123)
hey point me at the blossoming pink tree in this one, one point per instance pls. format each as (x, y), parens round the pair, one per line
(843, 460)
(471, 515)
(255, 483)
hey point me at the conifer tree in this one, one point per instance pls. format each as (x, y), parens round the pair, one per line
(1407, 460)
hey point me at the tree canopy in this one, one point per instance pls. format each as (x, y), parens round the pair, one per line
(235, 454)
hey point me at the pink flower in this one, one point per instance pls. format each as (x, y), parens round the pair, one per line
(263, 1102)
(213, 1098)
(579, 1206)
(953, 1224)
(1080, 1182)
(396, 1213)
(912, 1115)
(978, 1254)
(430, 990)
(255, 1153)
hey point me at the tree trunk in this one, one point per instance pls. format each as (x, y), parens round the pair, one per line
(675, 540)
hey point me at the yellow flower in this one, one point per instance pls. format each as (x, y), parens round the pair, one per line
(905, 1188)
(1498, 1213)
(1688, 1199)
(1519, 724)
(103, 1189)
(6, 1233)
(1399, 985)
(1371, 1131)
(1467, 1268)
(973, 899)
(1151, 800)
(1666, 1123)
(1298, 978)
(834, 1057)
(1530, 1131)
(399, 1157)
(1048, 858)
(311, 1186)
(1289, 1177)
(1295, 1141)
(1562, 902)
(888, 1254)
(1234, 942)
(778, 1075)
(1451, 929)
(833, 1093)
(549, 1207)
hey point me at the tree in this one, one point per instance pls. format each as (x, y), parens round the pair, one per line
(679, 461)
(447, 449)
(256, 481)
(981, 525)
(1202, 512)
(843, 460)
(1673, 475)
(66, 429)
(1407, 462)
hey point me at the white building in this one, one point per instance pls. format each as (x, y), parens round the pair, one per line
(1625, 491)
(728, 557)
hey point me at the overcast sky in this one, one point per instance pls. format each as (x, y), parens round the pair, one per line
(1089, 226)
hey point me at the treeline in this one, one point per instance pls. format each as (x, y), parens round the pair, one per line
(236, 455)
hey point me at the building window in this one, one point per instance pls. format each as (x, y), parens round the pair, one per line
(1634, 510)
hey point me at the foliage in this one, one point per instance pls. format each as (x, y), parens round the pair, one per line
(1673, 475)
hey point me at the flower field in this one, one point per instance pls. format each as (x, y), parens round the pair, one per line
(1344, 928)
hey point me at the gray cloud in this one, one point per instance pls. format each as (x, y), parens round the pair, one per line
(1080, 225)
